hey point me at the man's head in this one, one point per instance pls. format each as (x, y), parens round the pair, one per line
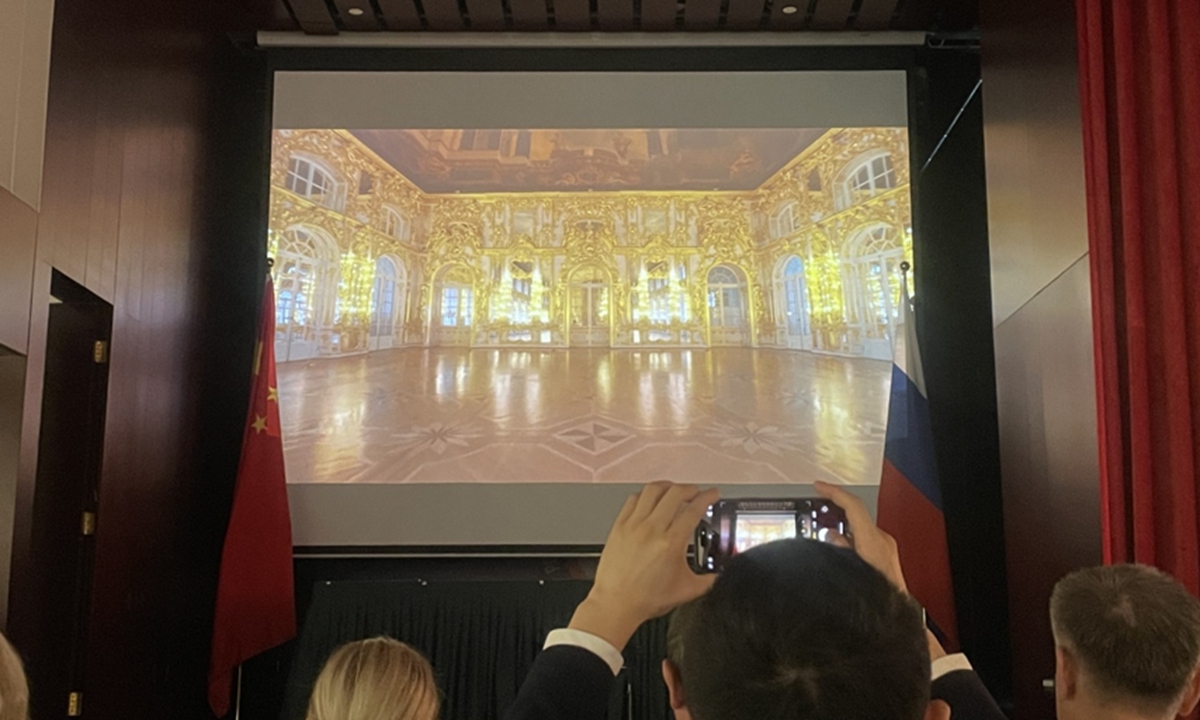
(800, 630)
(1128, 638)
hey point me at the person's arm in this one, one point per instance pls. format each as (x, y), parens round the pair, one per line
(643, 573)
(956, 684)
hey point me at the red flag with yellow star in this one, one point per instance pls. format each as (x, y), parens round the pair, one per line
(256, 605)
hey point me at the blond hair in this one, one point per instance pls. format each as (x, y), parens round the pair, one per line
(375, 679)
(14, 689)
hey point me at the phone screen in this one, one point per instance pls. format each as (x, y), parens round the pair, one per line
(757, 528)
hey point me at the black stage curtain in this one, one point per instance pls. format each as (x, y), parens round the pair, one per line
(481, 638)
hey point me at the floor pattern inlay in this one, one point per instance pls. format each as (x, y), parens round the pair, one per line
(727, 415)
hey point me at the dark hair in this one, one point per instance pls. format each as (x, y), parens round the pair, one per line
(801, 630)
(1135, 630)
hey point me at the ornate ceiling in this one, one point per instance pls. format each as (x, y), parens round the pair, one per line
(479, 161)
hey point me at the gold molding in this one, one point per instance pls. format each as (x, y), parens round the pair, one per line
(696, 231)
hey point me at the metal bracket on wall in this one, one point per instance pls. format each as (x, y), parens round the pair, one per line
(87, 526)
(953, 40)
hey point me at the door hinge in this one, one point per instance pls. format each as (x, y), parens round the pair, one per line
(87, 526)
(100, 352)
(75, 704)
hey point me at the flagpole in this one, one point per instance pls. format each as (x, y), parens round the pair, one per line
(905, 307)
(237, 703)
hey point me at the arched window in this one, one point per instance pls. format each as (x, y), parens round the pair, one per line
(310, 180)
(874, 257)
(305, 282)
(793, 301)
(457, 298)
(785, 221)
(395, 224)
(726, 298)
(864, 178)
(387, 302)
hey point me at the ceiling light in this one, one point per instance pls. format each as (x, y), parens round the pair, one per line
(359, 11)
(790, 9)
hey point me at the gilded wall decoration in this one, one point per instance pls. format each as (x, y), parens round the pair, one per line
(656, 249)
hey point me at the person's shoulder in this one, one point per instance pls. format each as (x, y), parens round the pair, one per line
(566, 682)
(965, 693)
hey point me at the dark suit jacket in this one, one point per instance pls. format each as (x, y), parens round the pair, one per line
(570, 683)
(968, 699)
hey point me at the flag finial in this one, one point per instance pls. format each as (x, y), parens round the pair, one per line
(905, 266)
(270, 263)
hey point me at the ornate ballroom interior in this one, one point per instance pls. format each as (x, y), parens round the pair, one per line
(587, 305)
(599, 238)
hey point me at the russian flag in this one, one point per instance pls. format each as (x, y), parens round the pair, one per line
(910, 499)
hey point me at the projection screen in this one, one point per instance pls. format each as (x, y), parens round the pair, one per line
(504, 300)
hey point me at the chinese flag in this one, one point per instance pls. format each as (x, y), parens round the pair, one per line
(256, 606)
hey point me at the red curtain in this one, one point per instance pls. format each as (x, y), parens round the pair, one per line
(1140, 80)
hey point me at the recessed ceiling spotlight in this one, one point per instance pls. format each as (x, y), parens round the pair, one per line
(790, 9)
(355, 11)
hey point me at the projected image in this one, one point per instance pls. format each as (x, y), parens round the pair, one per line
(610, 305)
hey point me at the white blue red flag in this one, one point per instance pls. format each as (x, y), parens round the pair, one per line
(910, 498)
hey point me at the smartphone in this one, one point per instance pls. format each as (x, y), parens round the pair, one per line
(734, 526)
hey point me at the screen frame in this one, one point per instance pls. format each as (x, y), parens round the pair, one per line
(581, 531)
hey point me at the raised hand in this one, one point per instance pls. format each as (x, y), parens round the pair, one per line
(872, 544)
(643, 571)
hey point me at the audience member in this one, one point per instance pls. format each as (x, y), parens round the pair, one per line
(14, 689)
(795, 629)
(1127, 643)
(375, 679)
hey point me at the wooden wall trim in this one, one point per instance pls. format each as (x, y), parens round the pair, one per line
(18, 233)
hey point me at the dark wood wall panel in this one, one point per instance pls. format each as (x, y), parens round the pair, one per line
(400, 15)
(875, 14)
(153, 177)
(701, 14)
(18, 228)
(615, 15)
(939, 15)
(783, 21)
(831, 14)
(625, 15)
(281, 18)
(529, 14)
(658, 15)
(313, 16)
(1049, 456)
(958, 15)
(357, 15)
(572, 15)
(918, 14)
(443, 15)
(485, 14)
(744, 14)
